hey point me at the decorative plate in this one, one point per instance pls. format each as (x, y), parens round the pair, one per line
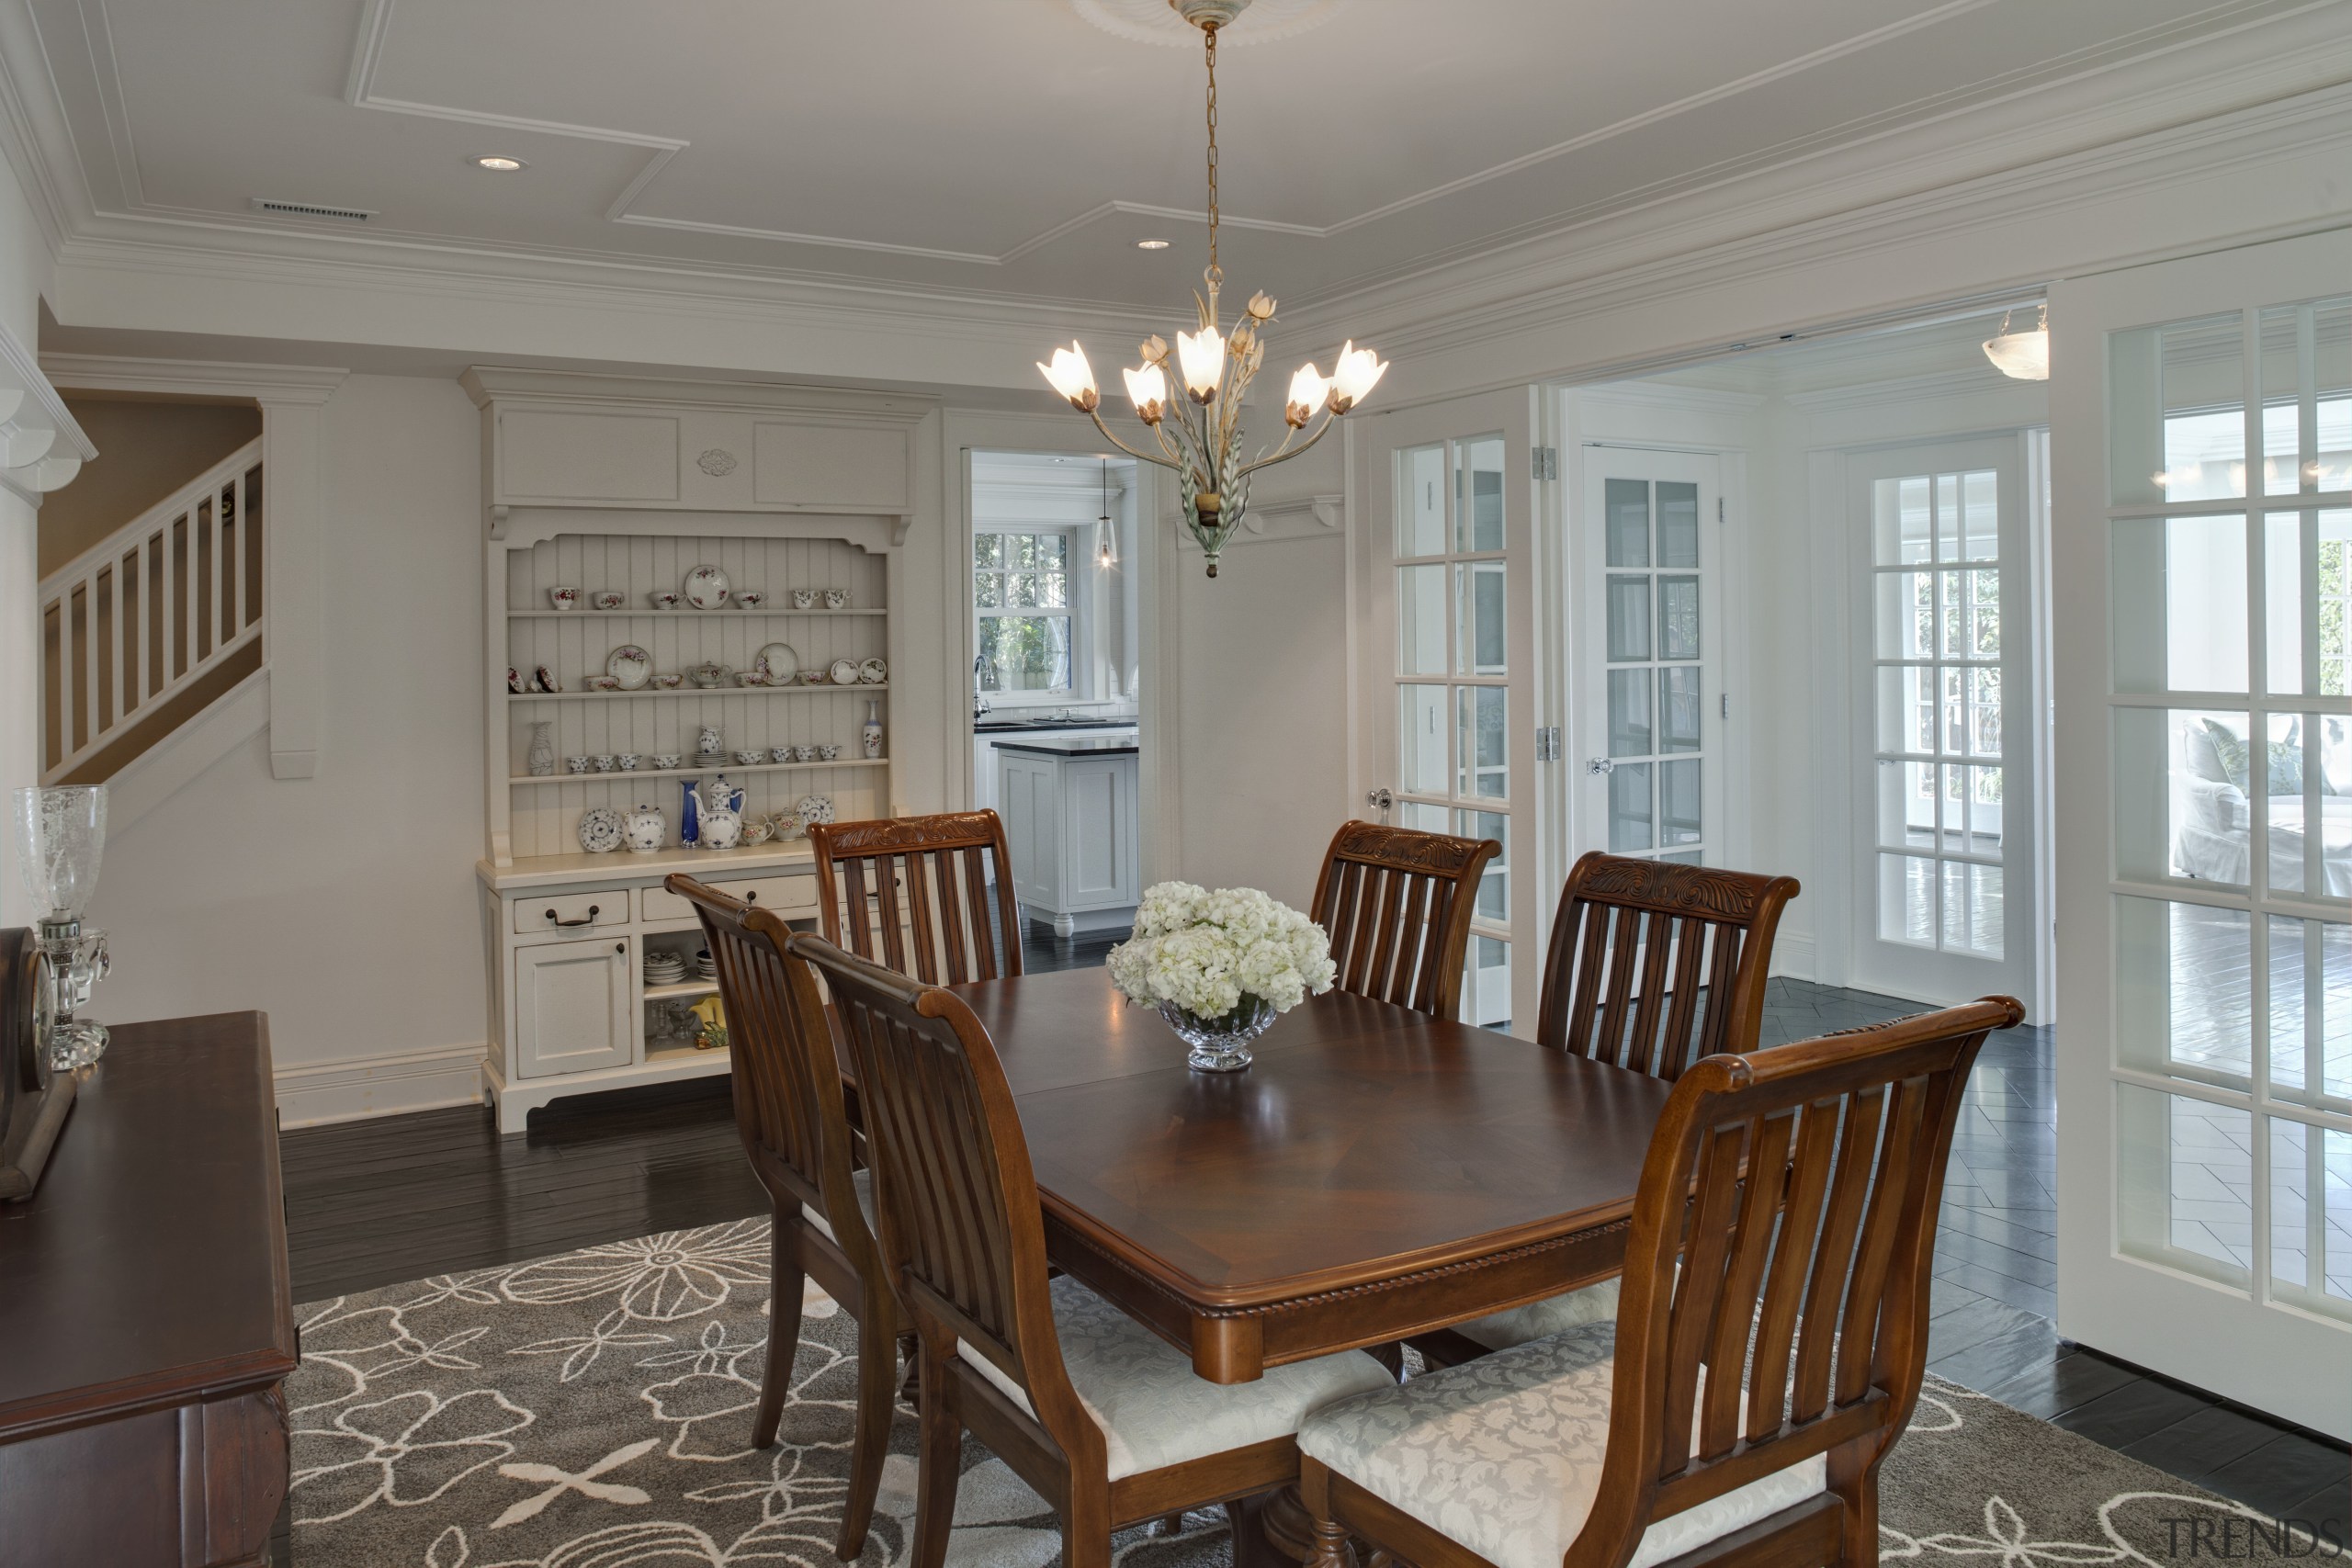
(630, 665)
(778, 663)
(600, 829)
(814, 808)
(706, 587)
(872, 673)
(843, 673)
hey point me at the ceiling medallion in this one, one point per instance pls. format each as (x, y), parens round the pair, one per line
(1164, 22)
(1199, 432)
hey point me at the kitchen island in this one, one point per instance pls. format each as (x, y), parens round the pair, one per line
(1070, 805)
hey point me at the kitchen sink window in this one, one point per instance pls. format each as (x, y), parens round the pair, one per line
(1029, 604)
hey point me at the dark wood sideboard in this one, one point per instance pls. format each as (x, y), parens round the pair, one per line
(146, 1315)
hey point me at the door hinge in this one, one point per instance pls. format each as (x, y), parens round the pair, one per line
(1719, 509)
(1725, 709)
(1547, 742)
(1547, 462)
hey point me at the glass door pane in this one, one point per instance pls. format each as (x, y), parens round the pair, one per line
(1452, 580)
(1648, 764)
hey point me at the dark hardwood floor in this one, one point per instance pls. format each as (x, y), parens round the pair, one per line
(371, 1204)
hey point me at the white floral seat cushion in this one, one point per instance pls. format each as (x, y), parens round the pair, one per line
(1154, 1410)
(864, 1182)
(1541, 1320)
(1503, 1454)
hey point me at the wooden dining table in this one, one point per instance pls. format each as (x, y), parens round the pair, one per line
(1375, 1174)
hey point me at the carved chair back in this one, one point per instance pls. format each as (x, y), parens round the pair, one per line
(912, 893)
(1780, 1248)
(955, 1198)
(1652, 965)
(1397, 904)
(788, 1101)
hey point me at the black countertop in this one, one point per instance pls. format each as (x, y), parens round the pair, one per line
(1071, 746)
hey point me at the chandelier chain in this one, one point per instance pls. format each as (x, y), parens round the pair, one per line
(1214, 274)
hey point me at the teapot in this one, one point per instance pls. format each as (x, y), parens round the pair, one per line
(721, 829)
(709, 674)
(643, 829)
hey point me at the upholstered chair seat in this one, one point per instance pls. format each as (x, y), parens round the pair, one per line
(1541, 1320)
(1154, 1410)
(1503, 1454)
(863, 1181)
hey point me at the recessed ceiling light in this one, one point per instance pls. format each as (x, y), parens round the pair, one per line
(498, 162)
(1151, 244)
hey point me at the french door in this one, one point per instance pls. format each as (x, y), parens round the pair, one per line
(1944, 881)
(1446, 665)
(1649, 741)
(2203, 431)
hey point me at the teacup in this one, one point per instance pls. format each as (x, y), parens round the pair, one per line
(780, 753)
(667, 682)
(665, 761)
(663, 598)
(750, 599)
(564, 598)
(836, 598)
(604, 762)
(629, 761)
(603, 683)
(605, 599)
(751, 678)
(575, 765)
(759, 831)
(802, 599)
(804, 753)
(830, 751)
(748, 758)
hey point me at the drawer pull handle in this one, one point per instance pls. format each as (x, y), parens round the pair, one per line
(751, 896)
(620, 947)
(587, 919)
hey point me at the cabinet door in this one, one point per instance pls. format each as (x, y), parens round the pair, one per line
(1030, 813)
(571, 1006)
(1100, 838)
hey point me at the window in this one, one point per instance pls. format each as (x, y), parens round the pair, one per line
(1021, 595)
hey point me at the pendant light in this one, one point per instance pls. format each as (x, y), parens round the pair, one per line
(2021, 356)
(1106, 533)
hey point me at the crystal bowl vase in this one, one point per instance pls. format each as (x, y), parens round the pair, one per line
(1220, 1045)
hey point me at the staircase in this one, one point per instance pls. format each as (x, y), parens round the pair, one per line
(154, 624)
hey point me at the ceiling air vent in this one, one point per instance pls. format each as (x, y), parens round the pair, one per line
(311, 210)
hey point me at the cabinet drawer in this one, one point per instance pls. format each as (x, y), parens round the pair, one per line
(567, 910)
(789, 895)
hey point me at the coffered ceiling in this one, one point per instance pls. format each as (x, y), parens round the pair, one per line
(1017, 148)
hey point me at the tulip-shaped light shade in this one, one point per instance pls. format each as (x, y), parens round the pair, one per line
(1071, 376)
(1355, 375)
(1308, 390)
(1148, 390)
(1200, 356)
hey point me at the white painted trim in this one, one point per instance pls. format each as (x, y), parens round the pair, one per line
(1833, 717)
(387, 1084)
(1792, 956)
(193, 378)
(41, 447)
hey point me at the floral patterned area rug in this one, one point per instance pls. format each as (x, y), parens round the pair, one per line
(592, 1410)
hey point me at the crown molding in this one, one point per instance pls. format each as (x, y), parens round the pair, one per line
(41, 445)
(193, 378)
(1675, 394)
(489, 383)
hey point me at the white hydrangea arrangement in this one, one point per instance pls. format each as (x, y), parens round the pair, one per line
(1204, 952)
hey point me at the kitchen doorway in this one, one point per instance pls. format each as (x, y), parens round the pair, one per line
(1053, 555)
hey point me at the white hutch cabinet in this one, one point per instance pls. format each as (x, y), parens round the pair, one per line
(624, 485)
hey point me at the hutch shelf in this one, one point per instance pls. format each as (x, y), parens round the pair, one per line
(611, 484)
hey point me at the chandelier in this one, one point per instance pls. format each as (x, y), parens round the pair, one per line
(2021, 356)
(1198, 432)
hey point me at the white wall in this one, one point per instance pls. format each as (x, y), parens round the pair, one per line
(24, 273)
(344, 905)
(1260, 656)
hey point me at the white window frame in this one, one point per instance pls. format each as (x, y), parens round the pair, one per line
(1080, 613)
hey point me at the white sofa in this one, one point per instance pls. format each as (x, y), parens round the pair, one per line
(2212, 838)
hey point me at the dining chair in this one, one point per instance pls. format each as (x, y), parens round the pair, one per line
(1652, 964)
(1765, 1356)
(1083, 1402)
(1396, 903)
(912, 892)
(789, 1110)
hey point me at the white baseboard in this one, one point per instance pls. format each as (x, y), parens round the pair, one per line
(1792, 956)
(379, 1085)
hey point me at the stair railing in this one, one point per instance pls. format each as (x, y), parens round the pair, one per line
(150, 610)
